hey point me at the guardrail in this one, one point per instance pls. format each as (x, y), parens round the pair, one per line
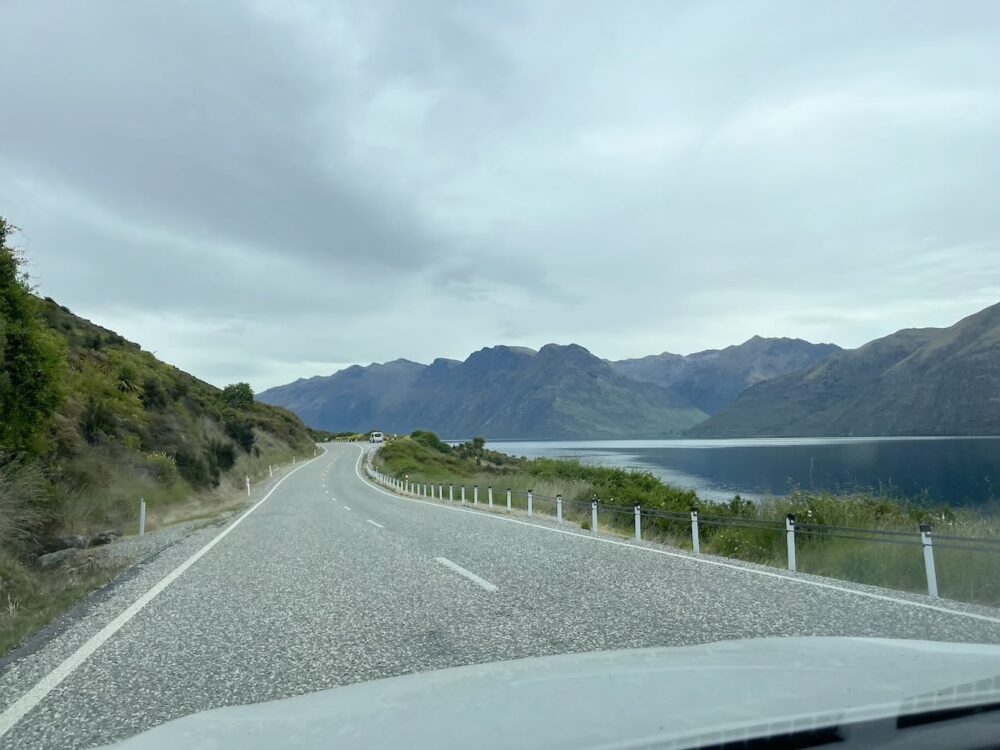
(790, 526)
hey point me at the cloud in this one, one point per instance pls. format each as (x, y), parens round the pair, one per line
(264, 190)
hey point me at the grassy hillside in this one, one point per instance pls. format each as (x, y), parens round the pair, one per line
(90, 423)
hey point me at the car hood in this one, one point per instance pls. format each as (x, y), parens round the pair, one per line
(674, 697)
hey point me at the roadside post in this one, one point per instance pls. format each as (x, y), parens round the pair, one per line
(489, 492)
(638, 523)
(695, 539)
(475, 494)
(463, 494)
(441, 491)
(270, 471)
(593, 517)
(451, 493)
(790, 539)
(925, 540)
(142, 516)
(530, 498)
(508, 498)
(559, 508)
(248, 485)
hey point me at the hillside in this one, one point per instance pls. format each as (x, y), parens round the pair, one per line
(711, 379)
(501, 391)
(928, 381)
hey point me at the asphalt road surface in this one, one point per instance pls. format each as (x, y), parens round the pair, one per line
(330, 581)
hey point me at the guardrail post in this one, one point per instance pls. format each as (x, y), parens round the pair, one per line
(559, 508)
(463, 494)
(451, 492)
(638, 523)
(593, 517)
(508, 498)
(790, 539)
(489, 492)
(475, 494)
(530, 498)
(695, 538)
(142, 516)
(925, 540)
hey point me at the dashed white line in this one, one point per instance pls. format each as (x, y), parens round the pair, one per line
(346, 508)
(680, 555)
(377, 525)
(467, 573)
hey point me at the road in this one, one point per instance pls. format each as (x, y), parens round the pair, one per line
(330, 581)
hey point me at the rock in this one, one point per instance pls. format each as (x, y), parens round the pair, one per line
(105, 537)
(52, 559)
(75, 541)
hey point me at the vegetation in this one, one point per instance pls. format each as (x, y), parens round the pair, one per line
(325, 436)
(759, 536)
(89, 423)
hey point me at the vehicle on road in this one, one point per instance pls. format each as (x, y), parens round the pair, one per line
(849, 692)
(376, 437)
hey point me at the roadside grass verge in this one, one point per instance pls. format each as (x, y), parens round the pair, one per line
(963, 575)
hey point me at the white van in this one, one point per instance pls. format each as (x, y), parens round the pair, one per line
(376, 437)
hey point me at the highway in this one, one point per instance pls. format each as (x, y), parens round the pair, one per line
(329, 581)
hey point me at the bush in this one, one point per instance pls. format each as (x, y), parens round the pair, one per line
(97, 421)
(430, 440)
(241, 431)
(225, 455)
(154, 395)
(238, 395)
(164, 467)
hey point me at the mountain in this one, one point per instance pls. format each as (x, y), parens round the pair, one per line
(921, 381)
(499, 392)
(711, 379)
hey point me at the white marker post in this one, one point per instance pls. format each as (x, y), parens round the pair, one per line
(559, 508)
(508, 498)
(463, 494)
(695, 539)
(638, 523)
(441, 491)
(248, 485)
(142, 516)
(790, 539)
(530, 498)
(489, 491)
(593, 517)
(451, 492)
(475, 494)
(925, 540)
(270, 471)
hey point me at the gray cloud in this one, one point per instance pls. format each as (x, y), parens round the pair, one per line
(269, 190)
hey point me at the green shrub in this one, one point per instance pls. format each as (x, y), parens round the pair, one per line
(238, 395)
(98, 421)
(154, 395)
(241, 431)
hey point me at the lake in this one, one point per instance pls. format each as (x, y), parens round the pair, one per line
(958, 471)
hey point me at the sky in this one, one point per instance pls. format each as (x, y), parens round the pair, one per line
(264, 191)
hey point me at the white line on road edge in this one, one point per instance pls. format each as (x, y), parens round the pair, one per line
(16, 711)
(346, 508)
(378, 525)
(681, 555)
(467, 573)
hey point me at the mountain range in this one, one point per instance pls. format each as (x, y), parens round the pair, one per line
(918, 381)
(556, 392)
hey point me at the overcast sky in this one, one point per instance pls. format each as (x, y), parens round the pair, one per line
(270, 190)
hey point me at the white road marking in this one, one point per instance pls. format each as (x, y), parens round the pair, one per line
(378, 525)
(346, 508)
(684, 556)
(467, 573)
(16, 711)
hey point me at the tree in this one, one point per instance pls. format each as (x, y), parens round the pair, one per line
(238, 395)
(31, 357)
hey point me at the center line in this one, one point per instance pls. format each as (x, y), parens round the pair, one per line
(375, 524)
(467, 573)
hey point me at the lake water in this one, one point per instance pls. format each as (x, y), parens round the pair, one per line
(958, 471)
